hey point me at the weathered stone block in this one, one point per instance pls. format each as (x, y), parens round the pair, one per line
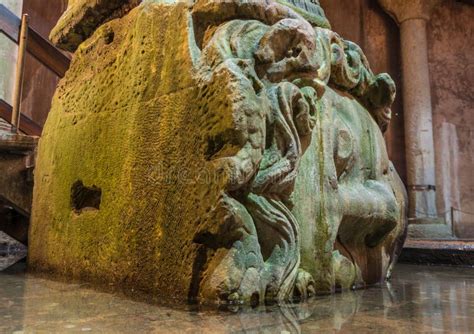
(225, 151)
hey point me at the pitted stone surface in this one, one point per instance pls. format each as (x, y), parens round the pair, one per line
(238, 151)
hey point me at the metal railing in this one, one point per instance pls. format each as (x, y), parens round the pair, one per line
(29, 41)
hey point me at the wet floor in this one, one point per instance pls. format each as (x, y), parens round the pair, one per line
(418, 299)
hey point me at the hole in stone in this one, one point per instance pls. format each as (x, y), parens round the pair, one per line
(297, 295)
(109, 37)
(270, 296)
(255, 299)
(83, 198)
(214, 145)
(296, 51)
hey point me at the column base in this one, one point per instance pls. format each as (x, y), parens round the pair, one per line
(446, 252)
(430, 228)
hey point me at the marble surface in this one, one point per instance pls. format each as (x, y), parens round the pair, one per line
(418, 299)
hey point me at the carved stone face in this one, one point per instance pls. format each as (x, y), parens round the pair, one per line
(236, 148)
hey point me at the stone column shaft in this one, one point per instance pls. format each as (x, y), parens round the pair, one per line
(418, 119)
(412, 16)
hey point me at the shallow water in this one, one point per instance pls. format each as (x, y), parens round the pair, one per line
(418, 299)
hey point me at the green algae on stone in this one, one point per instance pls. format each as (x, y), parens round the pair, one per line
(237, 151)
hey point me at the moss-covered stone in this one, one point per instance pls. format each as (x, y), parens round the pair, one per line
(123, 121)
(83, 17)
(226, 151)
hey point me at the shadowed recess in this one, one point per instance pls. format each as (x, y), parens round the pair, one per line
(83, 197)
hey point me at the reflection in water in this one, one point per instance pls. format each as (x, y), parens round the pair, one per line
(418, 299)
